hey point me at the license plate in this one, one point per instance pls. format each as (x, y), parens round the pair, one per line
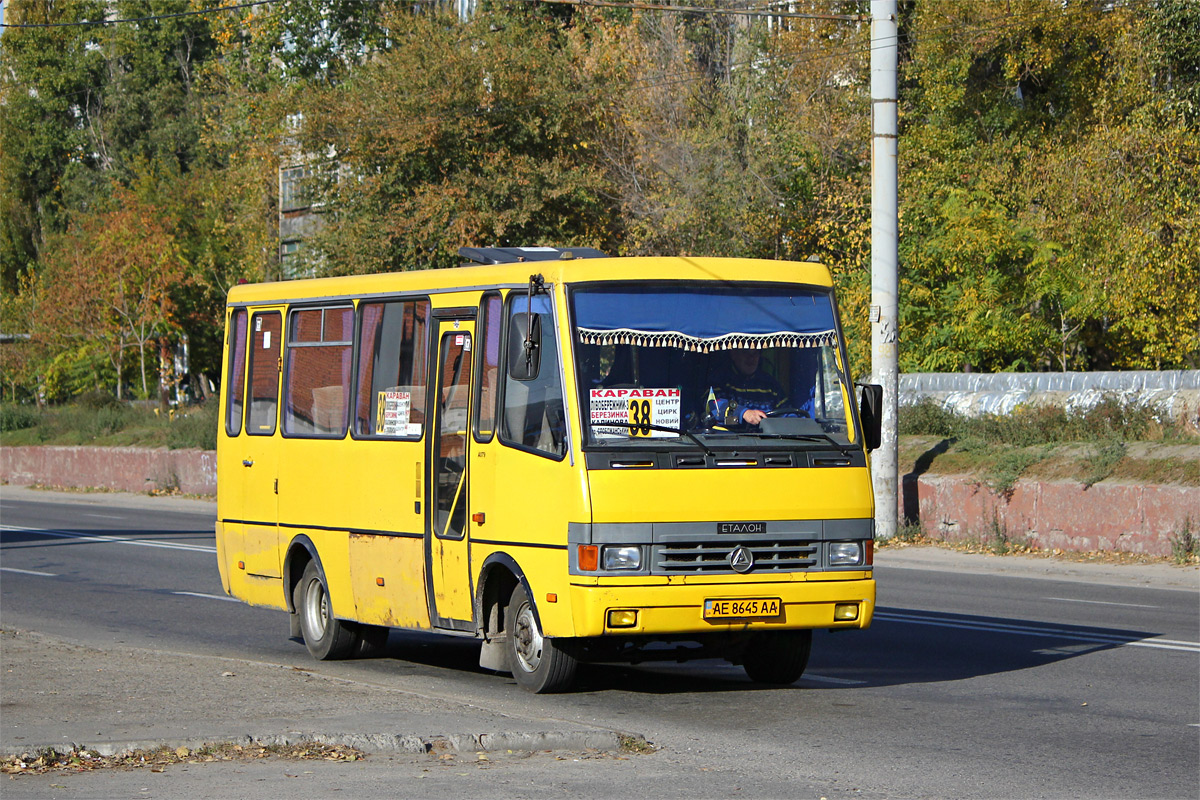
(743, 608)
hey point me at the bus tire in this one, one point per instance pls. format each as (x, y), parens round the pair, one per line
(539, 664)
(326, 637)
(777, 657)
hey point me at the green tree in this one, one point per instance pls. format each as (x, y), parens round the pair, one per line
(48, 99)
(462, 133)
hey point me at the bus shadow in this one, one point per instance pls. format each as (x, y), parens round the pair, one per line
(909, 646)
(903, 646)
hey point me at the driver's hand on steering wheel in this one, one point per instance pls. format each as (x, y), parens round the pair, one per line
(753, 416)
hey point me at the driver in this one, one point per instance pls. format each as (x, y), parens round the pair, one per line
(742, 393)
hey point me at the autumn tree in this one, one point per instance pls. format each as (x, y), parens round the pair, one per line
(107, 281)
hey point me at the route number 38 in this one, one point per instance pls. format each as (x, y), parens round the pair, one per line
(639, 417)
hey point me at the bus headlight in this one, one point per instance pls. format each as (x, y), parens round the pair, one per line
(845, 554)
(622, 558)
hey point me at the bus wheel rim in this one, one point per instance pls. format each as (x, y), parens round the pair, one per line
(529, 639)
(316, 607)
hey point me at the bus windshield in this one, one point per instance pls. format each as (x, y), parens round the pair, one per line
(690, 364)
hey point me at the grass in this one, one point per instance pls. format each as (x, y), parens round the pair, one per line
(1115, 440)
(109, 424)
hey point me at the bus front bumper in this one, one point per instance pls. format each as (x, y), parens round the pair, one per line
(722, 607)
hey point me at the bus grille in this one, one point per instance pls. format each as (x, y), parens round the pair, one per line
(712, 557)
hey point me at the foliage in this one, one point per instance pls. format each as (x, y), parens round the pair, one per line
(1112, 419)
(461, 134)
(1050, 164)
(194, 428)
(14, 417)
(108, 281)
(1184, 547)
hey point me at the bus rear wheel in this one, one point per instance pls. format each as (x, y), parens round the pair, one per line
(326, 637)
(778, 657)
(538, 663)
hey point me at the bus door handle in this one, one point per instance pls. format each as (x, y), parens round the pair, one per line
(246, 462)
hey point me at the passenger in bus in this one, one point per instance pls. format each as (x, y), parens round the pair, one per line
(742, 394)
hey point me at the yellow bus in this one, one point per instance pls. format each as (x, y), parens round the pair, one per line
(566, 456)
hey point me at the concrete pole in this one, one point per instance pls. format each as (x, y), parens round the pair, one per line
(884, 244)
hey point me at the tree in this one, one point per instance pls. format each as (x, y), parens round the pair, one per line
(462, 133)
(108, 281)
(48, 80)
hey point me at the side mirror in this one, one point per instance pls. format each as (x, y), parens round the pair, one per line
(870, 414)
(524, 346)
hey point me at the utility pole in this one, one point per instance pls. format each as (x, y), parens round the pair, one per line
(885, 315)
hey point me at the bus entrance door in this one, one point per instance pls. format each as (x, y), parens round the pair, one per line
(447, 550)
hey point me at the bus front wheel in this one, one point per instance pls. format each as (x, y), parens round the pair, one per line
(778, 657)
(325, 636)
(538, 663)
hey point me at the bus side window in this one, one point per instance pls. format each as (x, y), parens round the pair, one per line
(264, 373)
(236, 379)
(393, 369)
(533, 415)
(316, 392)
(489, 368)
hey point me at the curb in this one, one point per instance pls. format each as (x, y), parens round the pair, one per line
(607, 741)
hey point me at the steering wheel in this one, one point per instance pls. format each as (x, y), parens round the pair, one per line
(783, 412)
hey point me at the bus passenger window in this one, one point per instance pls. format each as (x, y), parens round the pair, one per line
(236, 379)
(533, 414)
(392, 369)
(489, 369)
(264, 373)
(317, 386)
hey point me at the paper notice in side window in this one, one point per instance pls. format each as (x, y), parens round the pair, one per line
(392, 414)
(625, 413)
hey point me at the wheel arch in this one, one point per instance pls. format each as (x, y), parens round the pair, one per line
(299, 553)
(498, 578)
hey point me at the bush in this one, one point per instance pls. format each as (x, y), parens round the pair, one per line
(927, 417)
(97, 399)
(1112, 418)
(14, 417)
(194, 428)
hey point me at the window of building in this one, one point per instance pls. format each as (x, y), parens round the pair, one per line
(293, 193)
(392, 369)
(289, 260)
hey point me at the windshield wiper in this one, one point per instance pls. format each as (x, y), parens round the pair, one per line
(651, 427)
(810, 437)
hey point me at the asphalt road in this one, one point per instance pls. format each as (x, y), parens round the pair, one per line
(978, 679)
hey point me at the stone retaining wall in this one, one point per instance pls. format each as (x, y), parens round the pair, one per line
(1062, 514)
(1066, 515)
(122, 469)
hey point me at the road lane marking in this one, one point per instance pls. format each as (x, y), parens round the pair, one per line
(1051, 633)
(95, 537)
(102, 516)
(208, 596)
(838, 681)
(1097, 602)
(29, 572)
